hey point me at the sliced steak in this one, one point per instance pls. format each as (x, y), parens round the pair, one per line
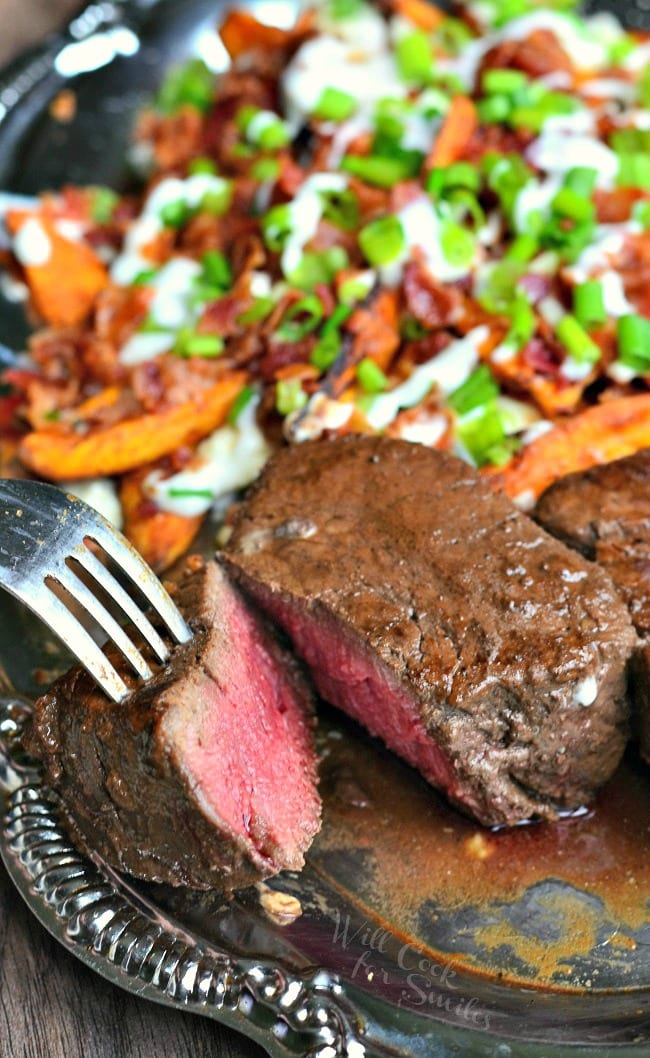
(604, 512)
(480, 649)
(206, 775)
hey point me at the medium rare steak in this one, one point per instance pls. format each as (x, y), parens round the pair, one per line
(480, 649)
(206, 775)
(604, 512)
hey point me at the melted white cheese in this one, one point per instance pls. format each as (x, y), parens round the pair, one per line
(141, 347)
(31, 244)
(321, 413)
(227, 460)
(557, 151)
(326, 62)
(448, 370)
(100, 494)
(306, 210)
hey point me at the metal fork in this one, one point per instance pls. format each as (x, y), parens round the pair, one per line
(44, 537)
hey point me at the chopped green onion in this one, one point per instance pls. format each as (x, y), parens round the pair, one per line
(326, 350)
(190, 84)
(342, 9)
(316, 268)
(353, 290)
(634, 170)
(576, 341)
(341, 208)
(265, 169)
(277, 226)
(301, 318)
(452, 34)
(151, 326)
(382, 240)
(641, 213)
(507, 175)
(289, 396)
(144, 278)
(634, 342)
(498, 291)
(522, 249)
(459, 174)
(370, 376)
(334, 105)
(581, 179)
(644, 87)
(479, 389)
(103, 202)
(504, 82)
(523, 323)
(414, 57)
(380, 171)
(570, 204)
(241, 401)
(631, 140)
(457, 243)
(621, 48)
(494, 109)
(259, 310)
(189, 343)
(183, 494)
(589, 303)
(217, 200)
(202, 165)
(216, 269)
(483, 435)
(175, 214)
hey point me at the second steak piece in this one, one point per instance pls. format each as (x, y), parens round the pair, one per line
(480, 649)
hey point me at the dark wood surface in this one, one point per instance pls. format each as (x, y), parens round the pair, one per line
(51, 1006)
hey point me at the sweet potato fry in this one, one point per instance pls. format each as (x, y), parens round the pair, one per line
(421, 13)
(241, 32)
(160, 536)
(66, 284)
(66, 455)
(600, 434)
(460, 122)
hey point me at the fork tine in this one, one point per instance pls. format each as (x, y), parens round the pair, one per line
(115, 591)
(82, 594)
(51, 610)
(130, 562)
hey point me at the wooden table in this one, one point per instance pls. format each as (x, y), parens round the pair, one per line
(51, 1006)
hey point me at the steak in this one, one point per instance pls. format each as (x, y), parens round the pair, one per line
(481, 650)
(205, 776)
(604, 512)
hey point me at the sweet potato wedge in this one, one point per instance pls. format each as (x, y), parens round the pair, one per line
(64, 286)
(241, 32)
(459, 124)
(609, 431)
(160, 536)
(66, 454)
(421, 13)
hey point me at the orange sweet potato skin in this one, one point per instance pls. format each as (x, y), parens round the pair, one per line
(62, 455)
(64, 288)
(601, 434)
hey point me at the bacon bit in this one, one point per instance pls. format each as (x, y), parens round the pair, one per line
(304, 371)
(220, 317)
(615, 206)
(175, 138)
(63, 107)
(119, 312)
(539, 54)
(403, 194)
(375, 329)
(433, 304)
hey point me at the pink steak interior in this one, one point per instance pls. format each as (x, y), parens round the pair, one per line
(246, 747)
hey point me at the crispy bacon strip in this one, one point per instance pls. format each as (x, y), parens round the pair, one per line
(608, 431)
(125, 445)
(65, 286)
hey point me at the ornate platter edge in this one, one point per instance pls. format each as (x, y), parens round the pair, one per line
(96, 918)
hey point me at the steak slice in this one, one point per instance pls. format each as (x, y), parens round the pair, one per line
(480, 649)
(604, 512)
(206, 775)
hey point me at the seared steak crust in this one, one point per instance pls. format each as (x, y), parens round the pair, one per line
(128, 776)
(478, 647)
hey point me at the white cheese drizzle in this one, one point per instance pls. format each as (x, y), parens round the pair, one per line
(31, 244)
